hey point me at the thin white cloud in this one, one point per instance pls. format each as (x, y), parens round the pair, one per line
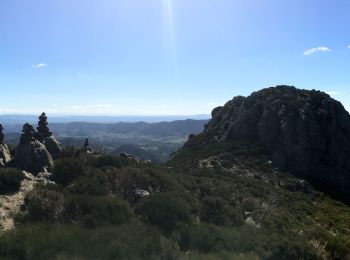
(349, 46)
(82, 74)
(317, 49)
(101, 105)
(333, 93)
(39, 66)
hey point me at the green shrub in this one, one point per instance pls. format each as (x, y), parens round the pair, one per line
(216, 210)
(96, 182)
(67, 170)
(10, 180)
(92, 211)
(105, 161)
(130, 241)
(45, 203)
(165, 210)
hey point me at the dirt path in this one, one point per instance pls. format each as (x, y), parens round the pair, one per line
(11, 204)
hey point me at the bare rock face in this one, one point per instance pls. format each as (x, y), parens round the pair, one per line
(30, 154)
(304, 132)
(33, 157)
(53, 146)
(5, 155)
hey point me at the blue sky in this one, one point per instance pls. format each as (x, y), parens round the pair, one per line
(152, 57)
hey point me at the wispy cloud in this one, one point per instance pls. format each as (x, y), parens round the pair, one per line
(314, 50)
(82, 74)
(39, 66)
(101, 105)
(349, 46)
(333, 93)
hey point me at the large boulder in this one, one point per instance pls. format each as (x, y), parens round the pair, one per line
(304, 132)
(5, 155)
(53, 146)
(33, 157)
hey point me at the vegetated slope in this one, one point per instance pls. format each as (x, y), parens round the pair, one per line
(105, 207)
(306, 133)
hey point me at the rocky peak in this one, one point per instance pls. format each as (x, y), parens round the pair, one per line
(47, 138)
(28, 134)
(30, 154)
(2, 136)
(43, 129)
(304, 132)
(36, 150)
(5, 155)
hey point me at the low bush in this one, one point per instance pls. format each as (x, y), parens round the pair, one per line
(216, 210)
(92, 211)
(96, 182)
(45, 203)
(67, 170)
(165, 210)
(10, 180)
(131, 241)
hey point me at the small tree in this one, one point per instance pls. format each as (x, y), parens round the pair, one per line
(43, 130)
(86, 146)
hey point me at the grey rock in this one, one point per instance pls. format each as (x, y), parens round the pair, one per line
(128, 156)
(28, 176)
(53, 146)
(33, 157)
(5, 155)
(140, 193)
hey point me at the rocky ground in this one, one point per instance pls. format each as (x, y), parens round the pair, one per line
(10, 204)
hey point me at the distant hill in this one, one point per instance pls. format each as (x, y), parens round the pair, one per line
(21, 119)
(162, 129)
(149, 141)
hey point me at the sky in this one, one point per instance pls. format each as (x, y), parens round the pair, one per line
(166, 57)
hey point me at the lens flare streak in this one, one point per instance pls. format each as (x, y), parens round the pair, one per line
(170, 29)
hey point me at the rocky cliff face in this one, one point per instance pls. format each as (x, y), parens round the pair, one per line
(5, 155)
(304, 132)
(53, 146)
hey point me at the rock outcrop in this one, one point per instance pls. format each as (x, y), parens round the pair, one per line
(53, 146)
(30, 154)
(45, 136)
(304, 132)
(5, 155)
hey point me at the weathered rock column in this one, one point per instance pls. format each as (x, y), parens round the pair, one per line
(5, 155)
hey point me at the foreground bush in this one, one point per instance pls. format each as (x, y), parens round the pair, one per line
(41, 242)
(93, 211)
(44, 203)
(10, 180)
